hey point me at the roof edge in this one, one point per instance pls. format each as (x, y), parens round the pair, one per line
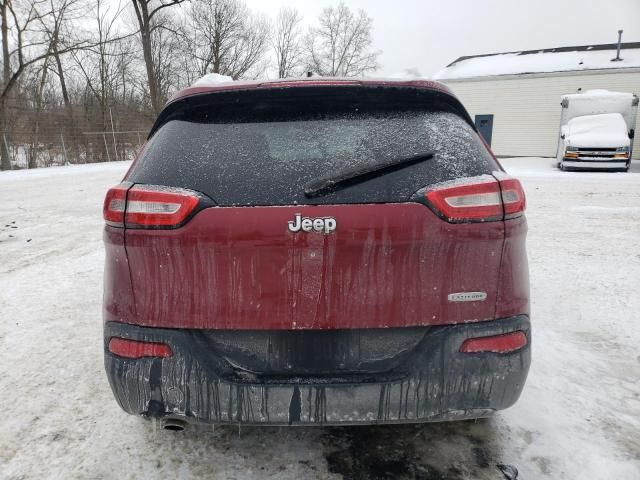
(308, 82)
(578, 48)
(554, 73)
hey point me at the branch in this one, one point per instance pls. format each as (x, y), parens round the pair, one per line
(164, 5)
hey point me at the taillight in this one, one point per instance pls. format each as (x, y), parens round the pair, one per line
(478, 199)
(509, 342)
(158, 206)
(513, 197)
(148, 206)
(135, 349)
(114, 203)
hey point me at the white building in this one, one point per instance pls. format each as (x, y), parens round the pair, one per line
(514, 97)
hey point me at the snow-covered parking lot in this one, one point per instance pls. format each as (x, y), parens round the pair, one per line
(578, 418)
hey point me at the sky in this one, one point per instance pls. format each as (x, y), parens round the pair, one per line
(428, 35)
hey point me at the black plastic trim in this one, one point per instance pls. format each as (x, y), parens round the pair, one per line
(434, 381)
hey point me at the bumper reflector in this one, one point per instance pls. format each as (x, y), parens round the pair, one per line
(506, 343)
(135, 349)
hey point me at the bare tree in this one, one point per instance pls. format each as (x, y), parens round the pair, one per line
(62, 78)
(56, 27)
(146, 11)
(341, 44)
(30, 22)
(41, 81)
(101, 64)
(166, 47)
(32, 44)
(286, 40)
(5, 162)
(4, 17)
(16, 21)
(227, 39)
(106, 67)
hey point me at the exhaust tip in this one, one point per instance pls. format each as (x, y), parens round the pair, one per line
(174, 424)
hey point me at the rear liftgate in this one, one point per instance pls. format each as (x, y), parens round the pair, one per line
(263, 291)
(269, 300)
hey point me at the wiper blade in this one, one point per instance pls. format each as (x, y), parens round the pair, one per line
(353, 176)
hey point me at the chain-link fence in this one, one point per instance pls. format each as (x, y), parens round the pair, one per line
(59, 135)
(64, 148)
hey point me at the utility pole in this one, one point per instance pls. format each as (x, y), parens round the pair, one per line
(64, 150)
(113, 132)
(106, 148)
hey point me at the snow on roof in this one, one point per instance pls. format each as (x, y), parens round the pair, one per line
(604, 130)
(601, 93)
(564, 59)
(594, 102)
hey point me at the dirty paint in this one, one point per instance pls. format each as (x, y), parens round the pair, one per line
(240, 268)
(434, 382)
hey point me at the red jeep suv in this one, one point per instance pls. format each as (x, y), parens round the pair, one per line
(320, 251)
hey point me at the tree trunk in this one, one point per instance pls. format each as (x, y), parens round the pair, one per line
(63, 82)
(142, 12)
(5, 162)
(33, 156)
(6, 65)
(216, 53)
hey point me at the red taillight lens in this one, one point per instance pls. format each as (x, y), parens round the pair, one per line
(479, 199)
(135, 349)
(148, 206)
(476, 201)
(513, 197)
(158, 206)
(506, 343)
(114, 204)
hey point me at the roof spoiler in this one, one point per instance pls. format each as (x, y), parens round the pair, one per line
(198, 96)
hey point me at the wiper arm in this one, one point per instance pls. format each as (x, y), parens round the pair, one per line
(353, 176)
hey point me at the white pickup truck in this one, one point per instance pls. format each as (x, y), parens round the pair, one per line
(597, 130)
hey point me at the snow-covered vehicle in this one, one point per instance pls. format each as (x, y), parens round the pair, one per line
(597, 128)
(318, 251)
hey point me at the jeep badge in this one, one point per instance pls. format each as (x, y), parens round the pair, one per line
(325, 225)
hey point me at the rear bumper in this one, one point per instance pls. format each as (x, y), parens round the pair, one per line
(433, 382)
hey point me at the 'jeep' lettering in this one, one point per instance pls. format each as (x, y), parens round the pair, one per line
(325, 225)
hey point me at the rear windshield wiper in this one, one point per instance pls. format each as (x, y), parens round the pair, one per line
(353, 176)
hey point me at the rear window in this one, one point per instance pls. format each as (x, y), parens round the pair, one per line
(269, 162)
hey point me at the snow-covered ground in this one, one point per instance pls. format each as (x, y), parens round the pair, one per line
(578, 418)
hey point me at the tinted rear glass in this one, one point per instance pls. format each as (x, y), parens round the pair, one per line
(269, 162)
